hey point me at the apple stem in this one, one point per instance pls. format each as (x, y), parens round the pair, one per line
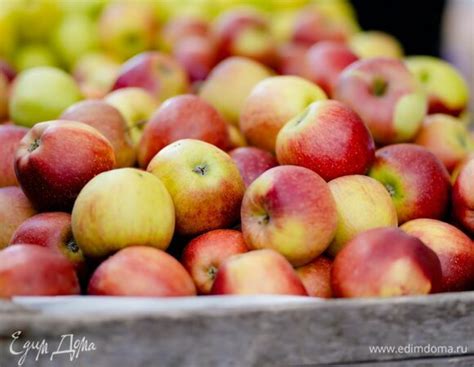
(33, 146)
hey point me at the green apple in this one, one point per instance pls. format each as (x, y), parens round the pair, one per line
(33, 55)
(36, 18)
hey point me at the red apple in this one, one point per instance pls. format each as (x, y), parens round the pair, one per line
(10, 137)
(257, 273)
(417, 181)
(316, 277)
(181, 117)
(57, 158)
(386, 96)
(328, 138)
(205, 254)
(292, 59)
(141, 271)
(463, 197)
(108, 121)
(252, 162)
(385, 262)
(35, 271)
(180, 27)
(7, 70)
(291, 210)
(455, 251)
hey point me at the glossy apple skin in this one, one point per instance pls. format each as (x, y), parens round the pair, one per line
(447, 138)
(109, 122)
(264, 114)
(51, 230)
(316, 277)
(463, 197)
(182, 117)
(455, 251)
(10, 137)
(15, 208)
(252, 162)
(203, 181)
(329, 138)
(257, 272)
(203, 256)
(386, 96)
(291, 210)
(325, 62)
(144, 215)
(417, 181)
(36, 271)
(141, 271)
(362, 204)
(159, 74)
(56, 159)
(385, 262)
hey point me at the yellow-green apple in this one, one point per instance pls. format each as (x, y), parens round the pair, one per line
(10, 137)
(136, 105)
(144, 215)
(362, 204)
(141, 271)
(455, 251)
(463, 196)
(236, 138)
(252, 162)
(244, 32)
(263, 113)
(35, 20)
(182, 117)
(415, 178)
(371, 44)
(291, 59)
(325, 61)
(203, 181)
(4, 97)
(34, 55)
(316, 277)
(386, 96)
(242, 74)
(329, 138)
(446, 88)
(257, 272)
(291, 210)
(159, 74)
(385, 262)
(127, 28)
(203, 256)
(36, 271)
(51, 230)
(41, 94)
(446, 137)
(15, 208)
(57, 158)
(110, 123)
(181, 27)
(8, 30)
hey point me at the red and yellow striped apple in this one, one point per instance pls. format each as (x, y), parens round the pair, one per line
(316, 277)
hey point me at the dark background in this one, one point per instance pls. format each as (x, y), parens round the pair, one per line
(415, 23)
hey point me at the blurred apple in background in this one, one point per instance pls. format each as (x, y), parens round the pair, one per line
(455, 251)
(34, 55)
(328, 138)
(203, 256)
(242, 74)
(203, 181)
(271, 104)
(35, 20)
(292, 59)
(463, 197)
(8, 30)
(385, 262)
(447, 138)
(141, 272)
(182, 117)
(10, 137)
(316, 277)
(7, 70)
(182, 27)
(415, 178)
(4, 97)
(291, 210)
(252, 162)
(144, 215)
(386, 96)
(362, 203)
(110, 123)
(41, 94)
(57, 158)
(370, 44)
(257, 273)
(15, 208)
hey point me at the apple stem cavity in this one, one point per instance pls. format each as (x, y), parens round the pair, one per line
(264, 219)
(33, 146)
(212, 271)
(302, 116)
(379, 87)
(201, 169)
(390, 189)
(72, 245)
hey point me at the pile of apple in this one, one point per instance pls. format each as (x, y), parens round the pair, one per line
(249, 154)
